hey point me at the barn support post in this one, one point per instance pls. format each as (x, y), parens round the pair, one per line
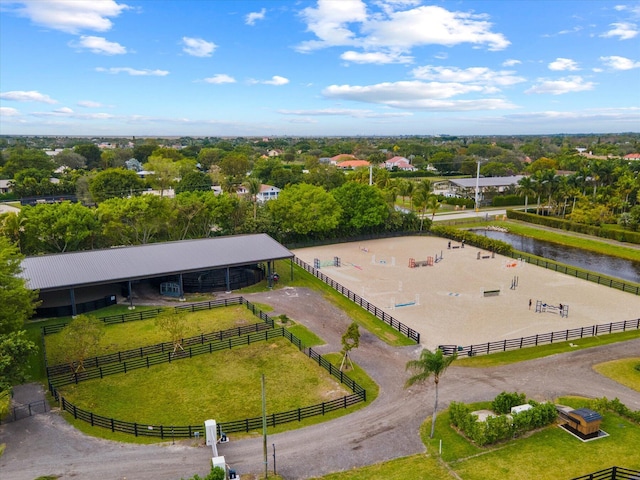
(130, 295)
(181, 288)
(291, 266)
(269, 279)
(72, 295)
(228, 280)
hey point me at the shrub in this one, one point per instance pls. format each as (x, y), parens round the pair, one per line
(470, 238)
(505, 401)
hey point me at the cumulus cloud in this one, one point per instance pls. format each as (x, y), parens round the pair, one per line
(89, 104)
(511, 62)
(275, 80)
(27, 96)
(561, 86)
(400, 28)
(133, 71)
(472, 75)
(63, 110)
(560, 64)
(619, 63)
(99, 45)
(416, 95)
(220, 78)
(253, 17)
(9, 112)
(71, 16)
(622, 30)
(380, 58)
(197, 47)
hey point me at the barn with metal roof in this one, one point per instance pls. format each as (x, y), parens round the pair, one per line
(76, 282)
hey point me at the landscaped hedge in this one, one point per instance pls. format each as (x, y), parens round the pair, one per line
(618, 235)
(503, 427)
(603, 405)
(506, 200)
(504, 402)
(470, 238)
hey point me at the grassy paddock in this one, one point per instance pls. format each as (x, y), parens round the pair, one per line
(128, 335)
(224, 385)
(622, 371)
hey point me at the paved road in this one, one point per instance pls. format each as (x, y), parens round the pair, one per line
(386, 429)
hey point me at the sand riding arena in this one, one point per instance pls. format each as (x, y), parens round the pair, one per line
(456, 294)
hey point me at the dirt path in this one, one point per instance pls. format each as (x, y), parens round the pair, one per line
(386, 429)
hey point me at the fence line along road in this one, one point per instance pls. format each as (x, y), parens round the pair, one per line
(541, 339)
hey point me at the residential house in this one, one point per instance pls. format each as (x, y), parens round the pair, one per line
(632, 156)
(5, 186)
(352, 164)
(399, 163)
(267, 192)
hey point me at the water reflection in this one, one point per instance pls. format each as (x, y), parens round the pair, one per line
(595, 262)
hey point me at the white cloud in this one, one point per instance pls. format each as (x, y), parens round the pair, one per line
(619, 63)
(623, 30)
(27, 96)
(253, 17)
(63, 110)
(511, 62)
(561, 86)
(99, 45)
(132, 71)
(198, 47)
(71, 16)
(275, 80)
(349, 24)
(9, 112)
(416, 95)
(347, 112)
(375, 57)
(473, 75)
(220, 78)
(561, 64)
(89, 104)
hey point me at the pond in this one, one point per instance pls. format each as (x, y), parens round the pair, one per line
(576, 257)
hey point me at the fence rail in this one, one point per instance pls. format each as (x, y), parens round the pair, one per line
(160, 348)
(371, 308)
(541, 339)
(359, 394)
(567, 270)
(146, 314)
(613, 473)
(18, 412)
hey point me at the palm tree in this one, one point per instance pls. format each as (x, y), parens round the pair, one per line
(420, 200)
(429, 363)
(526, 187)
(253, 186)
(433, 205)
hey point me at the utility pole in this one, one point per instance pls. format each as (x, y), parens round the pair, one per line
(477, 185)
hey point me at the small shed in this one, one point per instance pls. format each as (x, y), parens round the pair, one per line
(585, 422)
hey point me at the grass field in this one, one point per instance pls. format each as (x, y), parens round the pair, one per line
(547, 454)
(625, 371)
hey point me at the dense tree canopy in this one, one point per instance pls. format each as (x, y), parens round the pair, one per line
(114, 182)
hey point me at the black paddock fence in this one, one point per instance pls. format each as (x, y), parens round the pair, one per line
(176, 431)
(613, 473)
(585, 275)
(18, 412)
(152, 313)
(371, 308)
(541, 339)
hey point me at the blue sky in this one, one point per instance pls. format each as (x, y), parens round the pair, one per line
(318, 68)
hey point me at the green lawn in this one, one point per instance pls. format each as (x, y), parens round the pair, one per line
(625, 371)
(128, 335)
(224, 385)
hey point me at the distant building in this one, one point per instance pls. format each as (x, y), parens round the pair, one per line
(352, 164)
(487, 186)
(5, 186)
(267, 192)
(399, 163)
(632, 156)
(342, 157)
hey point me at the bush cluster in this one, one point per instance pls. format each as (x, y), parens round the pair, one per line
(506, 200)
(612, 234)
(470, 238)
(503, 427)
(602, 405)
(216, 473)
(504, 402)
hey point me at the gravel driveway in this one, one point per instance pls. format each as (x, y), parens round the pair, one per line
(386, 429)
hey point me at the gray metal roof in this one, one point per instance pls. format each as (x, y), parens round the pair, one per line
(95, 267)
(487, 181)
